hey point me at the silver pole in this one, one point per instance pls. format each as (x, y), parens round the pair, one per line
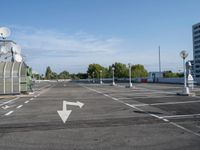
(101, 77)
(93, 76)
(113, 76)
(184, 68)
(130, 84)
(159, 60)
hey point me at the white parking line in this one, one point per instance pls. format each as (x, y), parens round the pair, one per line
(153, 115)
(26, 102)
(106, 95)
(19, 106)
(181, 116)
(181, 127)
(10, 112)
(9, 101)
(167, 103)
(31, 99)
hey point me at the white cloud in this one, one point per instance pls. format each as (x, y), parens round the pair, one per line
(50, 47)
(73, 52)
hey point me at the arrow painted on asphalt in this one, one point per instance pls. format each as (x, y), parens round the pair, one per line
(6, 107)
(64, 114)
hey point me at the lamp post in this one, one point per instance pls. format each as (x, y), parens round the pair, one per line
(93, 77)
(100, 76)
(130, 83)
(183, 55)
(113, 72)
(88, 77)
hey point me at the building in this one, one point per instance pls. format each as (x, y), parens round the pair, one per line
(196, 50)
(15, 78)
(153, 76)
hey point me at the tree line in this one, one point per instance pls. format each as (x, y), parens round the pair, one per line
(120, 70)
(94, 70)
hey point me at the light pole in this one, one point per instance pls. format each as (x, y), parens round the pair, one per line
(130, 83)
(93, 77)
(88, 77)
(100, 77)
(113, 72)
(183, 55)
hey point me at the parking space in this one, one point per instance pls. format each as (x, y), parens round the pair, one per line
(155, 100)
(112, 117)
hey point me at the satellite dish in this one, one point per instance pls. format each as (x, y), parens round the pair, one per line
(18, 58)
(4, 32)
(16, 48)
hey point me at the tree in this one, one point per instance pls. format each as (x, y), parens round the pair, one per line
(48, 73)
(64, 75)
(170, 74)
(37, 76)
(95, 69)
(121, 71)
(54, 75)
(138, 71)
(82, 75)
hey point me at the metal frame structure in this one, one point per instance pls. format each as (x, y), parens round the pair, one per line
(14, 78)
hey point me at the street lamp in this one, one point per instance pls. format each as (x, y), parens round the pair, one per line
(93, 77)
(113, 72)
(88, 77)
(130, 83)
(183, 55)
(101, 77)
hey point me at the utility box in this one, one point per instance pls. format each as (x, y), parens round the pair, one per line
(15, 78)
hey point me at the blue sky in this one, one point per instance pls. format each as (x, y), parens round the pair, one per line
(70, 34)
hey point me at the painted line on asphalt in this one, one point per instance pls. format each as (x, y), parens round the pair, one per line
(153, 115)
(26, 102)
(19, 106)
(106, 95)
(181, 116)
(9, 101)
(10, 112)
(181, 127)
(167, 103)
(31, 99)
(166, 120)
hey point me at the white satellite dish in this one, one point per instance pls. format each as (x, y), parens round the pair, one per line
(16, 48)
(4, 32)
(18, 58)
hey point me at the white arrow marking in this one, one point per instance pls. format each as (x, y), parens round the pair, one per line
(64, 114)
(5, 107)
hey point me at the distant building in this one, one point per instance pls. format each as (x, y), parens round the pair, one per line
(154, 76)
(196, 50)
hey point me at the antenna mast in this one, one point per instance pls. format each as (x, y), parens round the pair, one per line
(159, 59)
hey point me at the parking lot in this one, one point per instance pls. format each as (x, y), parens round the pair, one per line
(146, 116)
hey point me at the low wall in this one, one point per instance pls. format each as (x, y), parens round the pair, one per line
(170, 80)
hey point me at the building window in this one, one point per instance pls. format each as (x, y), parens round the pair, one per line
(197, 52)
(198, 46)
(196, 37)
(197, 42)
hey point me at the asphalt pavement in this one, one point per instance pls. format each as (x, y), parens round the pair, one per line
(144, 117)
